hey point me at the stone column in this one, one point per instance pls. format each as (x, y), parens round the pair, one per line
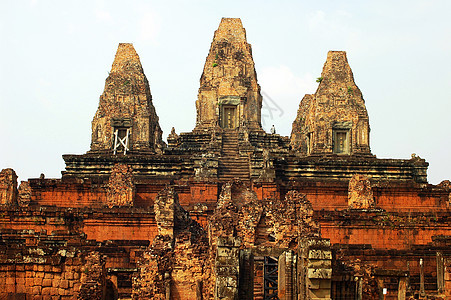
(227, 268)
(440, 272)
(380, 285)
(422, 292)
(447, 277)
(246, 275)
(286, 276)
(316, 260)
(402, 288)
(359, 287)
(167, 278)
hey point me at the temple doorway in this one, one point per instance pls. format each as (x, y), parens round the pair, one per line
(229, 116)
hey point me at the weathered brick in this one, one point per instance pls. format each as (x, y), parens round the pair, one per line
(46, 290)
(56, 283)
(64, 284)
(47, 282)
(68, 275)
(10, 280)
(11, 288)
(37, 281)
(54, 291)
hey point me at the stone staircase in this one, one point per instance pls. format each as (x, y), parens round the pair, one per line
(231, 165)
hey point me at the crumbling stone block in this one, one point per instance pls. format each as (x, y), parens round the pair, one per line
(291, 218)
(164, 207)
(205, 166)
(316, 268)
(227, 270)
(178, 256)
(92, 278)
(24, 194)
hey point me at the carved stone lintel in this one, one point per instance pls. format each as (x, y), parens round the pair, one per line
(360, 193)
(121, 190)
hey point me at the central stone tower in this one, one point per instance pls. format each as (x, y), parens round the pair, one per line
(229, 95)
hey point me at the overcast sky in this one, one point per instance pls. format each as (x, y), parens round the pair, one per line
(56, 55)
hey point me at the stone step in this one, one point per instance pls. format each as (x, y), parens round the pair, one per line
(233, 152)
(231, 164)
(233, 167)
(221, 176)
(234, 158)
(230, 143)
(236, 167)
(242, 169)
(234, 173)
(234, 170)
(238, 175)
(232, 178)
(239, 170)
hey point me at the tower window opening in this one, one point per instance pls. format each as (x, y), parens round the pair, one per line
(121, 140)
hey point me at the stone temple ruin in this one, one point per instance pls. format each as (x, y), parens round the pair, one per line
(227, 211)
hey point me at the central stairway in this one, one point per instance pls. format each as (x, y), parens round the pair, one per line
(231, 164)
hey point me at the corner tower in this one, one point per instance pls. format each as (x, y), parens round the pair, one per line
(126, 120)
(229, 95)
(334, 120)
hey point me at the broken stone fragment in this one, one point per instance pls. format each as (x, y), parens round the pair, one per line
(24, 196)
(8, 187)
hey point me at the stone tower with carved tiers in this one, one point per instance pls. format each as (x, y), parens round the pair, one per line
(126, 120)
(229, 95)
(334, 120)
(227, 211)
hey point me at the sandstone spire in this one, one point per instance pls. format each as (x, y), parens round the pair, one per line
(229, 95)
(334, 120)
(126, 120)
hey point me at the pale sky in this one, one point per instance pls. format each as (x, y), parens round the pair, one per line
(56, 55)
